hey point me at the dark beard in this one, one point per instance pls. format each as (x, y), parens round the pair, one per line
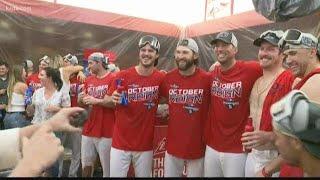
(188, 65)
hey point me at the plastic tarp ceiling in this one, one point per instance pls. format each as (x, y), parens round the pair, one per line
(30, 29)
(283, 10)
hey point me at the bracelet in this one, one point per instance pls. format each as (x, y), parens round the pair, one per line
(264, 173)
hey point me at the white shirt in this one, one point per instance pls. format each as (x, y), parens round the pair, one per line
(66, 84)
(58, 98)
(9, 150)
(17, 103)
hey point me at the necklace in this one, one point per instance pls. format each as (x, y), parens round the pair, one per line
(259, 96)
(262, 89)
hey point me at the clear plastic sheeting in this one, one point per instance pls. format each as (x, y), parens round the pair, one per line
(30, 29)
(283, 10)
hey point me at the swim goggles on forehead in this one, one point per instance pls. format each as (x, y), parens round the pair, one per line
(297, 115)
(296, 37)
(151, 40)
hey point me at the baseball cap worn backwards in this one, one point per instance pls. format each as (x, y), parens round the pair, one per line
(189, 43)
(99, 57)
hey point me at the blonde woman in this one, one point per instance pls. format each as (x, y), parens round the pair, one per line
(15, 116)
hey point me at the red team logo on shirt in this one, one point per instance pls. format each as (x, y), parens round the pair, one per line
(227, 91)
(75, 89)
(189, 97)
(35, 86)
(140, 94)
(98, 91)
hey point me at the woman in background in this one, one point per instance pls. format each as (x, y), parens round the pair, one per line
(15, 116)
(47, 101)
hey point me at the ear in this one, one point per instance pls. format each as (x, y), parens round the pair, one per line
(313, 52)
(195, 55)
(235, 49)
(157, 55)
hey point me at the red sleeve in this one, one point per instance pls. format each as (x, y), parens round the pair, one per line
(85, 85)
(163, 88)
(28, 80)
(255, 66)
(208, 76)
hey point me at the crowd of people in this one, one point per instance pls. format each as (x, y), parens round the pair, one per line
(220, 124)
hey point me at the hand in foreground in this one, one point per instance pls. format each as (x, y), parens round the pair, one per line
(52, 109)
(62, 119)
(39, 153)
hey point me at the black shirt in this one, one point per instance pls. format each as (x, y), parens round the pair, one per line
(4, 85)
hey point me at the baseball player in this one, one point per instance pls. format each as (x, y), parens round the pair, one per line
(275, 83)
(135, 92)
(231, 84)
(97, 130)
(187, 91)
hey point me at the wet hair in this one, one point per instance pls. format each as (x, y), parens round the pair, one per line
(54, 74)
(196, 61)
(3, 63)
(156, 62)
(157, 52)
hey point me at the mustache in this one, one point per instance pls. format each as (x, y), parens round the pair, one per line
(181, 59)
(265, 56)
(146, 56)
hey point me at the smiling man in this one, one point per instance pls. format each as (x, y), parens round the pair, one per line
(187, 91)
(231, 84)
(276, 82)
(302, 51)
(134, 124)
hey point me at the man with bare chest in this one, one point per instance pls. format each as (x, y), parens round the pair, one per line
(263, 160)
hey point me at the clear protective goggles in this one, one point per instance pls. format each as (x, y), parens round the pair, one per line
(296, 37)
(68, 57)
(151, 40)
(45, 59)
